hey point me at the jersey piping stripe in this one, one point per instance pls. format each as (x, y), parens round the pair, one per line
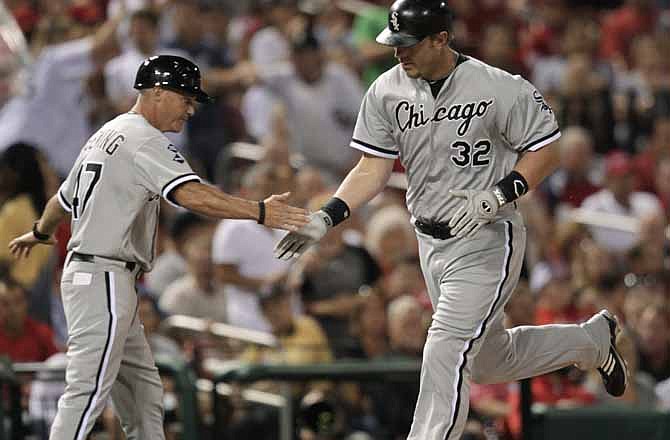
(172, 184)
(376, 151)
(110, 287)
(63, 202)
(458, 383)
(536, 145)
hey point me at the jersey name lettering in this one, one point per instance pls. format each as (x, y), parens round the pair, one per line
(408, 117)
(106, 140)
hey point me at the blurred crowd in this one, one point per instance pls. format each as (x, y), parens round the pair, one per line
(289, 76)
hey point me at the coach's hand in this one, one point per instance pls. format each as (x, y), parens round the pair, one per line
(477, 209)
(295, 243)
(280, 215)
(21, 246)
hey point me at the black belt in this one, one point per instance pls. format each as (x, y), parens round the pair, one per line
(438, 230)
(87, 258)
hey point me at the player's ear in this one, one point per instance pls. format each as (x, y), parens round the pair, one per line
(157, 93)
(442, 38)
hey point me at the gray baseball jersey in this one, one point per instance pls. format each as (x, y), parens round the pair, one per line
(113, 190)
(470, 136)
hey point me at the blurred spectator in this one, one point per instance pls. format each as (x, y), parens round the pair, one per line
(662, 182)
(619, 197)
(557, 304)
(407, 334)
(406, 279)
(499, 49)
(151, 317)
(170, 264)
(653, 331)
(308, 183)
(333, 273)
(52, 112)
(577, 178)
(301, 340)
(45, 390)
(542, 33)
(21, 337)
(407, 327)
(581, 37)
(638, 298)
(23, 178)
(369, 325)
(322, 100)
(196, 293)
(621, 26)
(373, 57)
(270, 43)
(120, 71)
(245, 270)
(658, 148)
(390, 237)
(649, 257)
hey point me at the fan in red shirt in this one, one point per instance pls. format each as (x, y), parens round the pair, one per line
(621, 26)
(22, 338)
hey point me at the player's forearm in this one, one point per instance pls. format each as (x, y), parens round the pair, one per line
(367, 179)
(536, 165)
(211, 202)
(51, 217)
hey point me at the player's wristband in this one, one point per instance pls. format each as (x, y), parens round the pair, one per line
(261, 212)
(337, 209)
(510, 188)
(39, 235)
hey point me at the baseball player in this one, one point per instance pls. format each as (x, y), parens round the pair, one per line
(473, 139)
(112, 194)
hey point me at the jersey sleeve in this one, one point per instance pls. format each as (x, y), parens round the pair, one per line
(373, 130)
(531, 123)
(67, 188)
(160, 168)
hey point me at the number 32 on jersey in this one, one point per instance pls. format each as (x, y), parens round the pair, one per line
(465, 155)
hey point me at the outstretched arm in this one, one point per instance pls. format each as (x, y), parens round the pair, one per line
(367, 179)
(51, 217)
(212, 202)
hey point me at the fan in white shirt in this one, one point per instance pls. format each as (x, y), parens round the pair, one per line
(619, 197)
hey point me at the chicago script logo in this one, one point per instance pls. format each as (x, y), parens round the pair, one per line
(410, 116)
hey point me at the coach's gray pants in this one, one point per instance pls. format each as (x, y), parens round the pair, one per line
(469, 281)
(108, 355)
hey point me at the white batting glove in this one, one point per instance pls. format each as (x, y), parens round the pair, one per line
(295, 243)
(478, 208)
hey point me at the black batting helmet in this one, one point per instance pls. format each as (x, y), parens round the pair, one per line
(173, 73)
(410, 21)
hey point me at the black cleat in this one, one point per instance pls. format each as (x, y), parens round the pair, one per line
(614, 370)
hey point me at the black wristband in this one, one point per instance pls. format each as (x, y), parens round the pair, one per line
(337, 210)
(38, 235)
(513, 186)
(261, 212)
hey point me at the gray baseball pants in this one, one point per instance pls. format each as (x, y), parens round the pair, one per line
(108, 354)
(469, 282)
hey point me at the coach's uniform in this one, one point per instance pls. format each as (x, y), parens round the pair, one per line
(113, 193)
(469, 135)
